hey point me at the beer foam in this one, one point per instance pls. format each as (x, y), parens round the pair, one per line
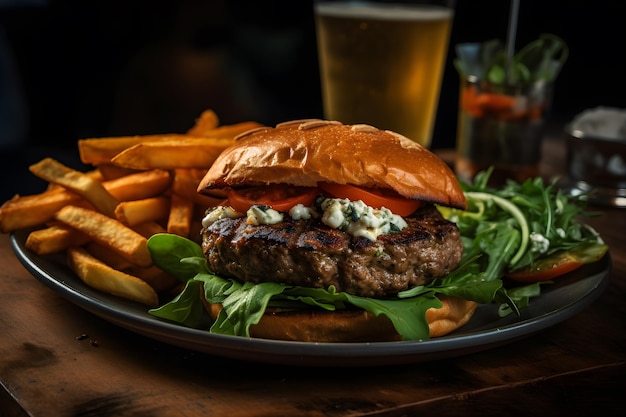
(383, 11)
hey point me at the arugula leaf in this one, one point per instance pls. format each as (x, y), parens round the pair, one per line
(244, 307)
(168, 251)
(468, 282)
(186, 308)
(520, 298)
(546, 219)
(407, 315)
(503, 231)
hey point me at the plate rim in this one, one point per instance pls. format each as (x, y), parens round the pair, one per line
(458, 343)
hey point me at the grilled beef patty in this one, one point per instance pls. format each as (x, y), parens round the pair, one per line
(310, 254)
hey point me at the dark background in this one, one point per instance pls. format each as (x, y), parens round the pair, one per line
(101, 68)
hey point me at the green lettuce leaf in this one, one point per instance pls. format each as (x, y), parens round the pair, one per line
(245, 303)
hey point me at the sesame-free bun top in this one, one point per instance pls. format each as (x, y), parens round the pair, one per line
(307, 152)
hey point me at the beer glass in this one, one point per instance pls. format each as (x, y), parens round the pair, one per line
(381, 63)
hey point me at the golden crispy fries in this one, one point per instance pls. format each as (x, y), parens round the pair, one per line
(180, 216)
(78, 182)
(183, 153)
(94, 174)
(141, 211)
(55, 238)
(196, 173)
(99, 275)
(24, 212)
(158, 279)
(111, 172)
(148, 229)
(109, 232)
(103, 218)
(185, 184)
(226, 131)
(98, 151)
(207, 121)
(108, 256)
(138, 186)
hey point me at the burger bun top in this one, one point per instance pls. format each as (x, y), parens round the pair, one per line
(307, 152)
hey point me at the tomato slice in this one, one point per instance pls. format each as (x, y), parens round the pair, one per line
(376, 198)
(281, 197)
(559, 263)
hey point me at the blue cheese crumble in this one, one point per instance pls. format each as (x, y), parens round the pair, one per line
(353, 217)
(539, 243)
(220, 212)
(358, 219)
(263, 215)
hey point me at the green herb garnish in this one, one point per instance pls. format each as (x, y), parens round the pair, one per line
(541, 59)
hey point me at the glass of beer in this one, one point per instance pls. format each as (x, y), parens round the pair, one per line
(381, 63)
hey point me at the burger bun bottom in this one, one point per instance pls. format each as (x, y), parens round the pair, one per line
(349, 325)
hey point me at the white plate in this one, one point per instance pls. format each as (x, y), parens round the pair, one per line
(568, 296)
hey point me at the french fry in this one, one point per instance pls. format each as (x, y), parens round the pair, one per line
(225, 131)
(138, 186)
(100, 276)
(98, 151)
(109, 232)
(95, 174)
(158, 279)
(207, 121)
(22, 212)
(141, 186)
(54, 239)
(141, 211)
(82, 184)
(172, 154)
(148, 229)
(111, 172)
(185, 184)
(180, 216)
(108, 256)
(196, 173)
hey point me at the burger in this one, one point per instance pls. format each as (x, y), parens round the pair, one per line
(341, 223)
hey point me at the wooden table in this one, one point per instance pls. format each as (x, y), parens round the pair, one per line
(575, 368)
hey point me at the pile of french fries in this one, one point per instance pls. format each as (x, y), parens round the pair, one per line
(102, 219)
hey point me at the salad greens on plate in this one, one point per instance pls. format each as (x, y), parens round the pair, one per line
(506, 231)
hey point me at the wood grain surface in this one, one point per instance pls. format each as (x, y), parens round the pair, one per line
(59, 360)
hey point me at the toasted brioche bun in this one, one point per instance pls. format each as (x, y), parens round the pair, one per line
(304, 153)
(350, 326)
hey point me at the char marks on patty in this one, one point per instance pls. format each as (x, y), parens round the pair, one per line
(309, 253)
